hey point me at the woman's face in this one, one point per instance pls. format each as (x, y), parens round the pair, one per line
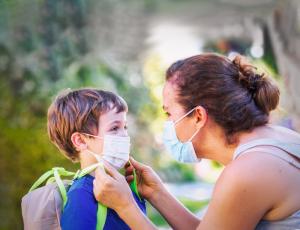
(187, 126)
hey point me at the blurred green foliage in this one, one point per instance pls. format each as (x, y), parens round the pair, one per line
(46, 46)
(177, 172)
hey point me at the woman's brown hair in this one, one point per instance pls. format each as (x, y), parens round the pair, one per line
(235, 96)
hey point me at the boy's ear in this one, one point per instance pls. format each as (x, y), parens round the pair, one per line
(78, 141)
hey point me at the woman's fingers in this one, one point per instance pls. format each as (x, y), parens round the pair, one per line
(100, 177)
(137, 165)
(100, 173)
(111, 170)
(129, 178)
(127, 165)
(129, 171)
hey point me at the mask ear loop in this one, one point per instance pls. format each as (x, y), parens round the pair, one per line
(92, 135)
(195, 132)
(194, 135)
(98, 158)
(189, 112)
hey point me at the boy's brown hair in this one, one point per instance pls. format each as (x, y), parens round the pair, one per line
(79, 111)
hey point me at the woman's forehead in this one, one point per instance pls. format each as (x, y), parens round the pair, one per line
(169, 95)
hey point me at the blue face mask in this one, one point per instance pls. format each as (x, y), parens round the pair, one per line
(182, 152)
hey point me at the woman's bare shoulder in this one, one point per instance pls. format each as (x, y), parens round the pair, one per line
(257, 173)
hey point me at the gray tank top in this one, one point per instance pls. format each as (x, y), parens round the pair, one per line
(290, 153)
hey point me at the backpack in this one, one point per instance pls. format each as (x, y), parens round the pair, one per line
(42, 206)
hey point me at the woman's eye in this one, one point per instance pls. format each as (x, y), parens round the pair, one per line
(126, 127)
(167, 114)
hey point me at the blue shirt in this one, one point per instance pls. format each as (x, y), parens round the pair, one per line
(80, 211)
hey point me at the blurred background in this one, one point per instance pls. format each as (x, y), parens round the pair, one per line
(125, 46)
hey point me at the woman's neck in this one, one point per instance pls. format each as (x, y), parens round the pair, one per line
(213, 143)
(223, 152)
(220, 151)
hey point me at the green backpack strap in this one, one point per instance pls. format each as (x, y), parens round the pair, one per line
(133, 185)
(101, 216)
(55, 172)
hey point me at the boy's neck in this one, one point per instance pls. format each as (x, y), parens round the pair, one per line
(86, 160)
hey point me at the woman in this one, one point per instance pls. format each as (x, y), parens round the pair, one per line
(219, 109)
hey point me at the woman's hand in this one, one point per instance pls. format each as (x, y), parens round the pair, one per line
(149, 183)
(151, 188)
(111, 189)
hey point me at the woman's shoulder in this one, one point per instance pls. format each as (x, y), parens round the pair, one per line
(258, 178)
(283, 134)
(255, 174)
(254, 168)
(245, 169)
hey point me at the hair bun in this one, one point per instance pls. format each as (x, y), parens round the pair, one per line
(247, 75)
(263, 90)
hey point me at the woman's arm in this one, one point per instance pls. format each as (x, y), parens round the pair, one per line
(151, 188)
(135, 218)
(173, 211)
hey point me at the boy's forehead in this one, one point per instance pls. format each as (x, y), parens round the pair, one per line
(112, 115)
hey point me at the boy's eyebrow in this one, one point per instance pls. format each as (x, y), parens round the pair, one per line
(116, 122)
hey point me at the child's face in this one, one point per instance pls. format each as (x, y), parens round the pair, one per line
(110, 123)
(113, 123)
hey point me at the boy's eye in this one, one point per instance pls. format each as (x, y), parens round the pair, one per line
(126, 127)
(167, 114)
(115, 128)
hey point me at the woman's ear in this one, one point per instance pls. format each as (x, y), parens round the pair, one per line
(201, 116)
(78, 141)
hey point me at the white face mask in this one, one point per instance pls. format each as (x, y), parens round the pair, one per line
(116, 150)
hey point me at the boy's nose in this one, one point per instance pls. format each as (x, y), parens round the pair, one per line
(123, 133)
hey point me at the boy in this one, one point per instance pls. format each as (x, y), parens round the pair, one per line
(89, 125)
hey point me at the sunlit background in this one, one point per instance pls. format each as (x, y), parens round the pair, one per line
(125, 47)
